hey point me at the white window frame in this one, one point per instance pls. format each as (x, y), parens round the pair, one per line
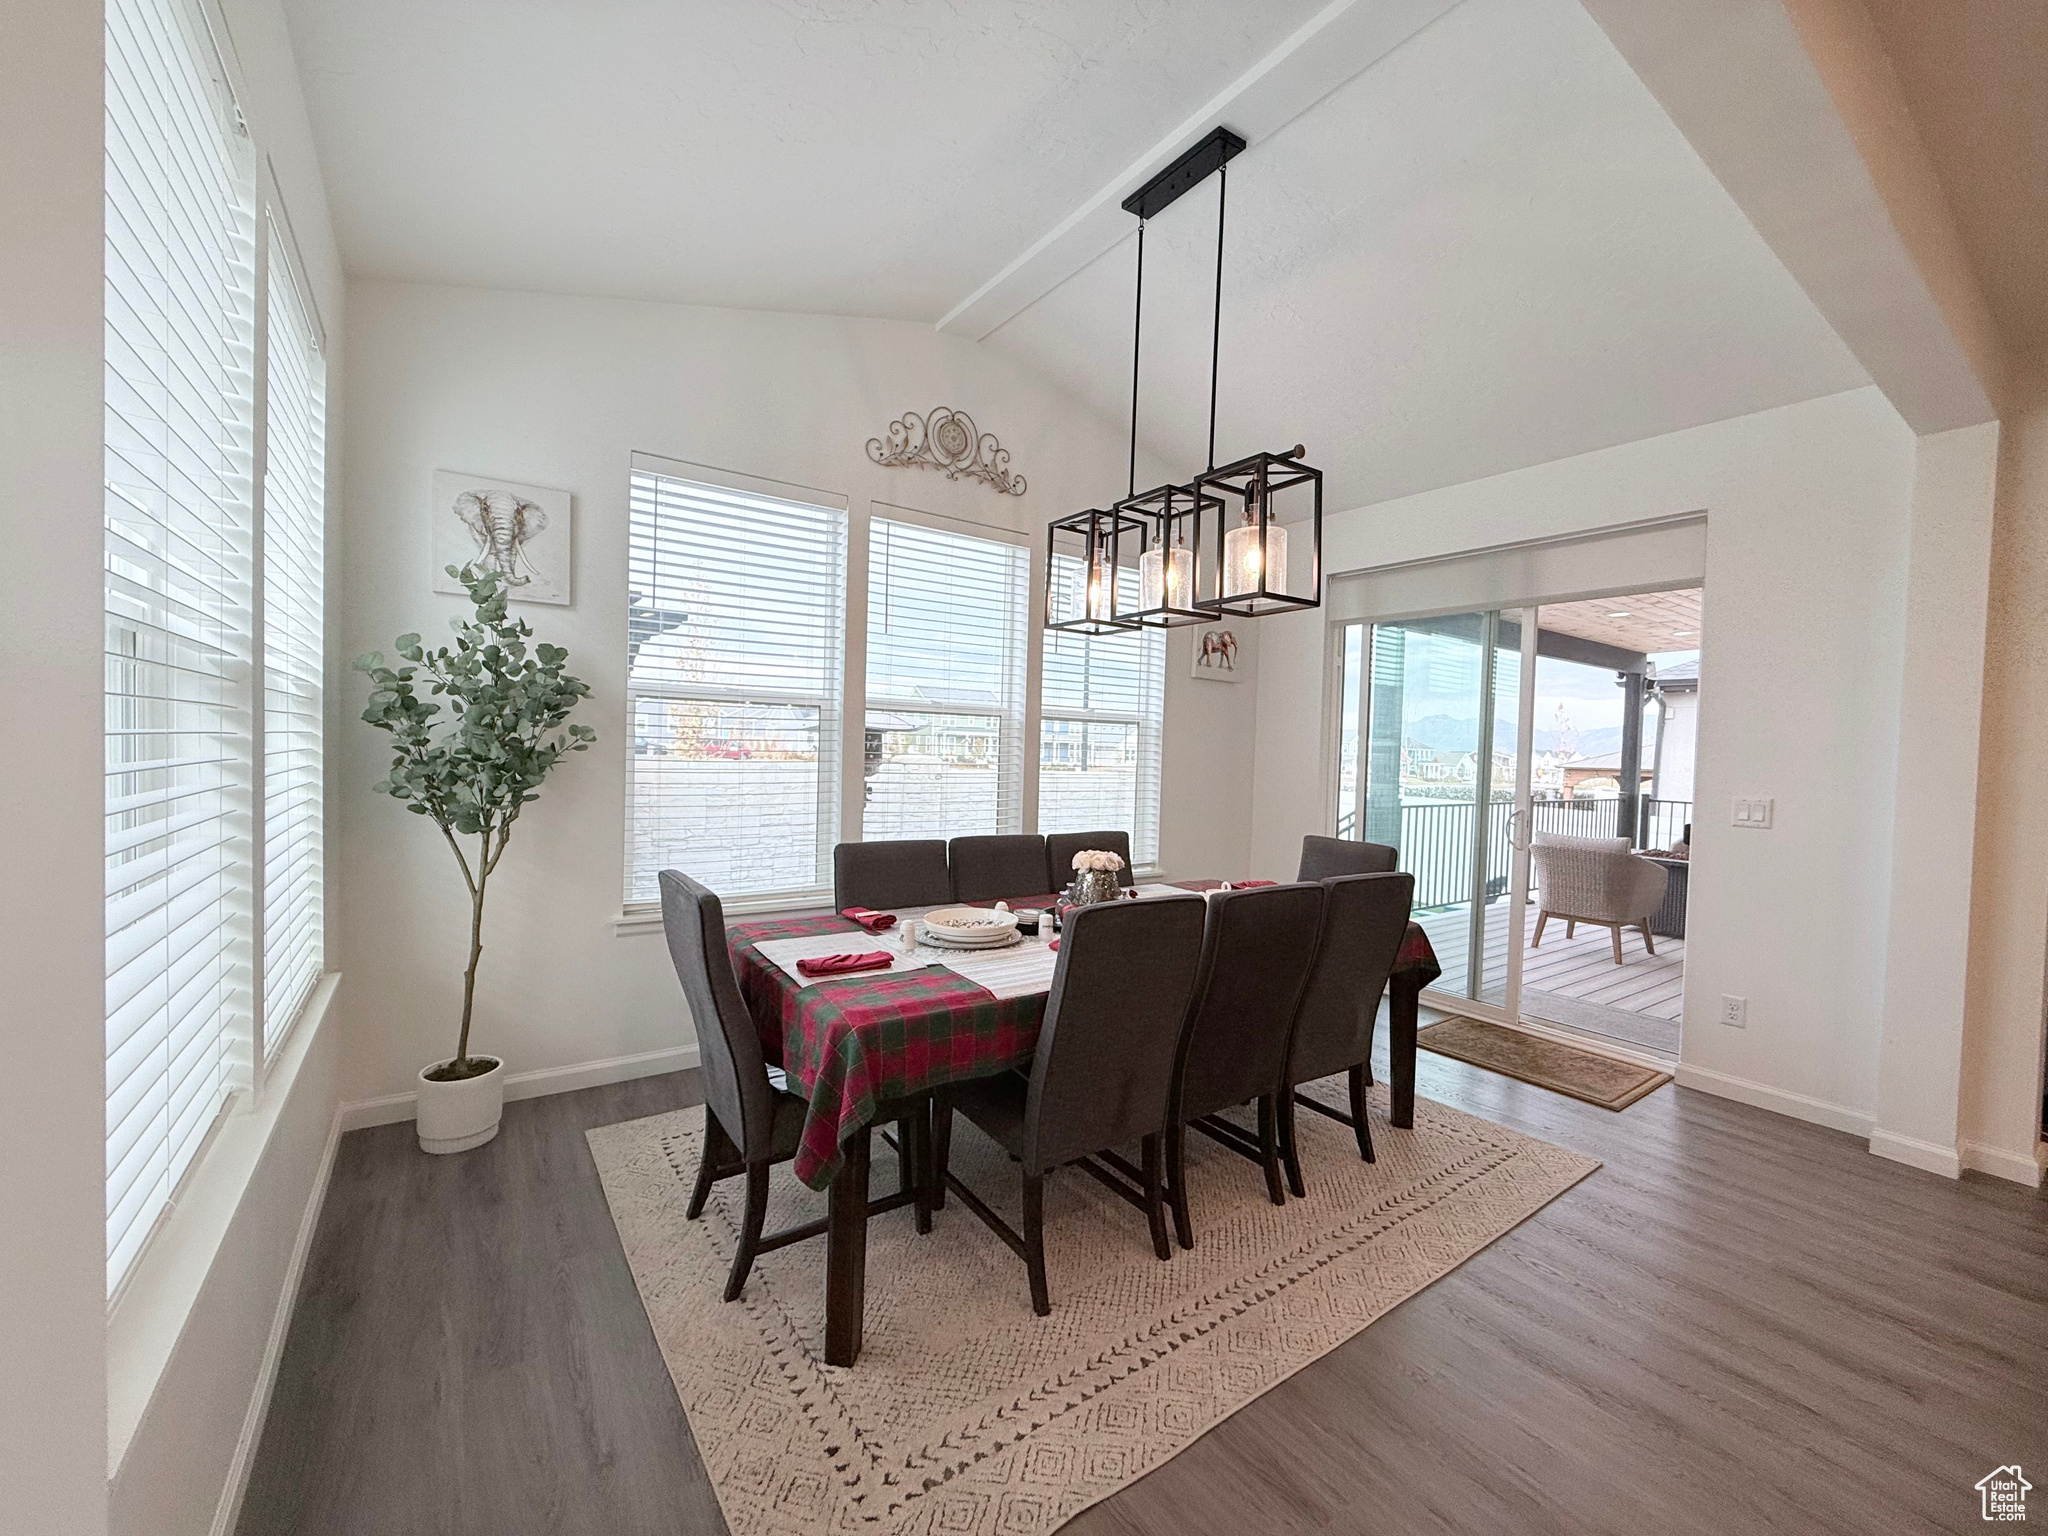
(250, 1056)
(644, 917)
(1015, 750)
(833, 712)
(273, 1026)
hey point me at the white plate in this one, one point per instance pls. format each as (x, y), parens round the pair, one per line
(939, 939)
(969, 921)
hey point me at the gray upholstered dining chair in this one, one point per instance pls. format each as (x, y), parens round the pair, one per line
(1323, 858)
(1103, 1069)
(1257, 947)
(1060, 848)
(988, 868)
(1365, 917)
(1596, 881)
(903, 873)
(751, 1123)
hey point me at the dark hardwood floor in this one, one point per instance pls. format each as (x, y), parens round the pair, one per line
(1742, 1323)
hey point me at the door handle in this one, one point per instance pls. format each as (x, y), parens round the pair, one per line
(1517, 835)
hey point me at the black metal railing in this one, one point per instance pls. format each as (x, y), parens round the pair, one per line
(1436, 837)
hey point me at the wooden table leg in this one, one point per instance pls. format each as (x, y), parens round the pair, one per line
(846, 1253)
(1403, 994)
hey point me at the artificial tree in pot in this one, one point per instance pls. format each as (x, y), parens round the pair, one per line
(471, 774)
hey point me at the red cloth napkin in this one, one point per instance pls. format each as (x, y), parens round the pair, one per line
(842, 965)
(874, 922)
(1055, 944)
(1245, 885)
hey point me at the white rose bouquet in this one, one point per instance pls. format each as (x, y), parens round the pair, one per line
(1096, 858)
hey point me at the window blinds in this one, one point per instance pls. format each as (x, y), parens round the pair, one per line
(180, 338)
(1102, 710)
(737, 612)
(294, 482)
(946, 662)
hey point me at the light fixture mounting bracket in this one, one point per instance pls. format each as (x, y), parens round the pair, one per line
(1217, 149)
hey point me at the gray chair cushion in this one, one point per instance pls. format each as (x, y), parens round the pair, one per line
(1060, 848)
(1324, 858)
(1103, 1071)
(736, 1085)
(883, 875)
(989, 868)
(1256, 952)
(1365, 917)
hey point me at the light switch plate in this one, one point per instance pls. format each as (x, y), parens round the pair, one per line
(1734, 1011)
(1753, 812)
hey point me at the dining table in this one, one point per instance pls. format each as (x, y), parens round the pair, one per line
(935, 1017)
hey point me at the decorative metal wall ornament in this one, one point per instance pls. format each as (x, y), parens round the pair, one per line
(946, 440)
(1216, 546)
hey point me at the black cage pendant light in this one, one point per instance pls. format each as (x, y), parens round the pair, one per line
(1193, 553)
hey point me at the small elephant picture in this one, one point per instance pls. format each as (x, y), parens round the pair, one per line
(1216, 655)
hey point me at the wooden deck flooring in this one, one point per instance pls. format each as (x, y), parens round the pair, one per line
(1572, 981)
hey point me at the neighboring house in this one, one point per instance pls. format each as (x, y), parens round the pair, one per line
(1672, 749)
(1598, 775)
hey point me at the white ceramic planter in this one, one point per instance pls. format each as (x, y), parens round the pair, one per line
(453, 1117)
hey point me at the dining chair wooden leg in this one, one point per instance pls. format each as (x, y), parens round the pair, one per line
(1614, 933)
(750, 1230)
(1571, 926)
(1541, 919)
(1360, 1127)
(1269, 1147)
(942, 1149)
(1034, 1242)
(1648, 943)
(1177, 1183)
(1155, 1198)
(718, 1153)
(1290, 1152)
(920, 1144)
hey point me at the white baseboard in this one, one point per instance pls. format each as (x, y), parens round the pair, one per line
(2020, 1167)
(1914, 1153)
(230, 1511)
(1837, 1117)
(534, 1085)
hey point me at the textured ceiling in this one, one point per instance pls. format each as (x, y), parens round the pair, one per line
(860, 157)
(1650, 622)
(1491, 249)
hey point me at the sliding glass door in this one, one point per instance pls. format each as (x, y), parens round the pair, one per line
(1432, 716)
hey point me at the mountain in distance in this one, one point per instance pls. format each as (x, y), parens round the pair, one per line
(1446, 733)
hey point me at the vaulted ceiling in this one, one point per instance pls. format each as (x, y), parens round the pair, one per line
(1488, 248)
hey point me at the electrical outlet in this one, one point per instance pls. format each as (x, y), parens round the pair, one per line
(1753, 813)
(1734, 1011)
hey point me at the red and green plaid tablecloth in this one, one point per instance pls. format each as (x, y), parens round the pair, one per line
(855, 1041)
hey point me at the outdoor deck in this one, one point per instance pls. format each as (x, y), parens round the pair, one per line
(1573, 981)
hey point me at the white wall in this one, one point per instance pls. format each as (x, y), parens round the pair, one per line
(2001, 1113)
(52, 913)
(559, 392)
(1934, 821)
(1808, 509)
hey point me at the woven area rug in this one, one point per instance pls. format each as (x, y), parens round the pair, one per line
(1583, 1075)
(966, 1413)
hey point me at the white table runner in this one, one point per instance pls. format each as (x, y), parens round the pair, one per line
(784, 953)
(1014, 972)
